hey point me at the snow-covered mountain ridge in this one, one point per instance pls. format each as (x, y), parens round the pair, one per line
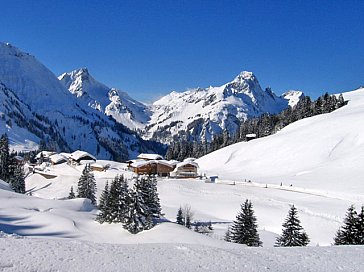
(67, 123)
(201, 113)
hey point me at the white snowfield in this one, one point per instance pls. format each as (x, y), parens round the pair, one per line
(322, 157)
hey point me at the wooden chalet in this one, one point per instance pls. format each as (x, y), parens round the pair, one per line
(186, 169)
(78, 156)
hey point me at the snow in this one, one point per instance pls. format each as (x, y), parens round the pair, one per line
(150, 156)
(78, 154)
(293, 97)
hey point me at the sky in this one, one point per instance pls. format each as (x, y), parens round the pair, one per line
(149, 48)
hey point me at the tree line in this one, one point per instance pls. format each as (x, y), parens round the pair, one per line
(264, 125)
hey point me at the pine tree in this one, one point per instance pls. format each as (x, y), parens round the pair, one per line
(71, 194)
(87, 185)
(227, 236)
(188, 222)
(152, 199)
(244, 228)
(137, 219)
(104, 205)
(180, 217)
(360, 227)
(293, 233)
(347, 234)
(17, 179)
(4, 157)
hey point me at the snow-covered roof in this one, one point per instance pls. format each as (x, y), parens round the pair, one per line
(98, 165)
(189, 159)
(19, 158)
(173, 162)
(167, 163)
(66, 155)
(78, 155)
(45, 154)
(181, 164)
(56, 158)
(146, 156)
(141, 163)
(251, 135)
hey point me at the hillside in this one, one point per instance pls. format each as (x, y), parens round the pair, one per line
(322, 152)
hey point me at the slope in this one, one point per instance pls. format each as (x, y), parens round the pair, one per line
(325, 152)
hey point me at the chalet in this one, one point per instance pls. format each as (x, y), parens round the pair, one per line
(144, 167)
(149, 157)
(152, 167)
(57, 159)
(185, 170)
(78, 156)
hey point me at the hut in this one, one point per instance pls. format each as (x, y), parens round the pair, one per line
(164, 168)
(144, 167)
(98, 167)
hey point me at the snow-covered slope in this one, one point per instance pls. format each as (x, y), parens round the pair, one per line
(111, 101)
(67, 123)
(206, 112)
(324, 152)
(293, 97)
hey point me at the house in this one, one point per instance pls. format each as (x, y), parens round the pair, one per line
(152, 167)
(149, 157)
(19, 160)
(144, 167)
(186, 169)
(57, 159)
(78, 156)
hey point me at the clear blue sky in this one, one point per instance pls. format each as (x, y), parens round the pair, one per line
(149, 48)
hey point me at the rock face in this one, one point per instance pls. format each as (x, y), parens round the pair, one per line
(293, 97)
(50, 112)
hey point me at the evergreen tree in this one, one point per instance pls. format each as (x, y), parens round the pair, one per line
(87, 185)
(188, 222)
(137, 219)
(180, 217)
(347, 234)
(227, 236)
(118, 200)
(244, 228)
(17, 179)
(71, 194)
(104, 205)
(4, 157)
(152, 199)
(293, 233)
(360, 227)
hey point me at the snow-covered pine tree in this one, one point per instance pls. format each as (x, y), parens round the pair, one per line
(227, 236)
(4, 157)
(16, 178)
(113, 203)
(244, 228)
(104, 205)
(137, 219)
(360, 227)
(87, 185)
(180, 217)
(347, 234)
(71, 195)
(292, 234)
(152, 200)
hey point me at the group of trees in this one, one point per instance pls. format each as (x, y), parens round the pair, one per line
(244, 229)
(264, 125)
(352, 231)
(137, 208)
(11, 171)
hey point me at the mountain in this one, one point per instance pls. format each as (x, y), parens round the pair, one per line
(63, 121)
(205, 112)
(293, 97)
(110, 101)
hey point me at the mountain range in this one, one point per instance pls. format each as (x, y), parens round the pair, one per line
(74, 110)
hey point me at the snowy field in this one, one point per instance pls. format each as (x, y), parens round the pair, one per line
(322, 157)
